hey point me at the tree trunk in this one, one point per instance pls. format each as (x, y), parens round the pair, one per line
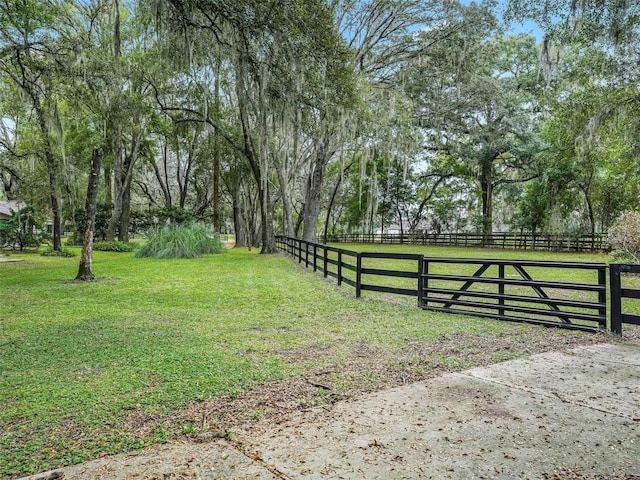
(592, 216)
(286, 200)
(250, 209)
(85, 270)
(486, 184)
(123, 179)
(9, 184)
(125, 216)
(217, 216)
(329, 208)
(296, 229)
(313, 197)
(238, 222)
(400, 220)
(256, 236)
(166, 193)
(266, 216)
(258, 164)
(333, 199)
(108, 186)
(118, 155)
(55, 207)
(184, 186)
(52, 174)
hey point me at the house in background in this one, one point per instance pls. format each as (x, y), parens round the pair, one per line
(7, 206)
(392, 229)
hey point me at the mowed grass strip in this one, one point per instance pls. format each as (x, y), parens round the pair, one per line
(154, 336)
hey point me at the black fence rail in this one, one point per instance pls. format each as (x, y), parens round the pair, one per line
(619, 293)
(507, 290)
(567, 243)
(543, 293)
(349, 267)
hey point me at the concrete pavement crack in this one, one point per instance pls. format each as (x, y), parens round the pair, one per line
(242, 448)
(546, 395)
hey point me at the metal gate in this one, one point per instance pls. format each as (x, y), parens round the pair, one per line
(618, 293)
(539, 292)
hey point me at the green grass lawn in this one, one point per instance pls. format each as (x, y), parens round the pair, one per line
(156, 335)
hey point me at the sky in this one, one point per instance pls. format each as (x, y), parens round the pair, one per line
(529, 26)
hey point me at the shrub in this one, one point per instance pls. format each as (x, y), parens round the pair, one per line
(103, 214)
(50, 252)
(114, 246)
(624, 237)
(181, 241)
(167, 215)
(19, 231)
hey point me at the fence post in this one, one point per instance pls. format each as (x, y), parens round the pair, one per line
(339, 267)
(616, 300)
(306, 254)
(299, 251)
(315, 257)
(425, 285)
(358, 275)
(602, 297)
(420, 271)
(501, 289)
(324, 261)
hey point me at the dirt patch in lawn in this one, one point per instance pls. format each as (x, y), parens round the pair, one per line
(366, 369)
(94, 280)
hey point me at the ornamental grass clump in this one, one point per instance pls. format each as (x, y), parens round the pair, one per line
(181, 241)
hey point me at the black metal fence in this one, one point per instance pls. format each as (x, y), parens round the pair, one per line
(507, 290)
(577, 243)
(347, 266)
(543, 293)
(619, 293)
